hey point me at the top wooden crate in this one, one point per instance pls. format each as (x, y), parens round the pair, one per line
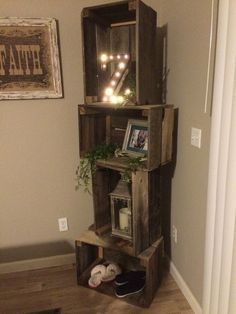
(119, 28)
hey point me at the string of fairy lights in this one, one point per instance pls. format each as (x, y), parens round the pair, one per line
(110, 94)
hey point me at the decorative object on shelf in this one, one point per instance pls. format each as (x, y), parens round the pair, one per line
(29, 59)
(88, 164)
(121, 210)
(120, 71)
(136, 138)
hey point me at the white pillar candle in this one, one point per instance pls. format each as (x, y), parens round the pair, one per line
(124, 218)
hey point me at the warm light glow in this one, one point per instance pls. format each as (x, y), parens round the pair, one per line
(113, 99)
(117, 74)
(104, 57)
(126, 56)
(104, 66)
(127, 91)
(121, 65)
(116, 99)
(118, 56)
(109, 91)
(113, 83)
(111, 57)
(120, 99)
(105, 98)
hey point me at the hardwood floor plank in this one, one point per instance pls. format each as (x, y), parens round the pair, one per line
(56, 287)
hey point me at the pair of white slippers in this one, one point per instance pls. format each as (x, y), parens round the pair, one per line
(102, 273)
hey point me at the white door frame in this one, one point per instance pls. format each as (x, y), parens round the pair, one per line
(221, 205)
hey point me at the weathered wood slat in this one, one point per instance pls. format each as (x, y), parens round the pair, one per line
(140, 186)
(146, 76)
(102, 214)
(167, 134)
(89, 58)
(154, 137)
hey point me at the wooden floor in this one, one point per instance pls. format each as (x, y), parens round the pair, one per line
(38, 290)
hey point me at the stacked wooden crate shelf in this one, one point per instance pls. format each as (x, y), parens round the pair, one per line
(125, 27)
(110, 123)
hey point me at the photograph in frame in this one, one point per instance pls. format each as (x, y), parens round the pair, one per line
(136, 138)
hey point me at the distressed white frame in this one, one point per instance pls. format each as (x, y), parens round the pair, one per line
(55, 60)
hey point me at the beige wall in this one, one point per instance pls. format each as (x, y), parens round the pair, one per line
(39, 145)
(39, 138)
(188, 42)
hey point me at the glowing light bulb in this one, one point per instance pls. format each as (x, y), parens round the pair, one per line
(127, 91)
(105, 98)
(118, 56)
(104, 57)
(113, 83)
(117, 74)
(104, 66)
(126, 56)
(120, 99)
(121, 65)
(111, 57)
(109, 91)
(113, 99)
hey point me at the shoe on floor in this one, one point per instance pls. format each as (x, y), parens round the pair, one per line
(130, 288)
(112, 271)
(129, 276)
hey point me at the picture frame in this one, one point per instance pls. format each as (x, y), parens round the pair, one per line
(29, 59)
(136, 138)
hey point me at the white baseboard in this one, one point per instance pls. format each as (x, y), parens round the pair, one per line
(185, 289)
(37, 263)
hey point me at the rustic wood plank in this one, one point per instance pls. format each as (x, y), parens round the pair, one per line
(146, 79)
(106, 241)
(167, 134)
(101, 203)
(89, 57)
(103, 46)
(154, 137)
(92, 131)
(161, 66)
(140, 186)
(85, 255)
(153, 273)
(154, 199)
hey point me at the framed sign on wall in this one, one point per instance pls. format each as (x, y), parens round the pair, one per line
(29, 59)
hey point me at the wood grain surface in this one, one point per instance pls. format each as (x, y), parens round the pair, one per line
(56, 287)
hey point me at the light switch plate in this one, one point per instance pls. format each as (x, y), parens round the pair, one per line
(62, 223)
(196, 137)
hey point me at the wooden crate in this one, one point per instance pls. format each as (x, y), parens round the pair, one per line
(116, 28)
(146, 209)
(107, 124)
(92, 250)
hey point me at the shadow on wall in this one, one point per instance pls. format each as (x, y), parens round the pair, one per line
(40, 250)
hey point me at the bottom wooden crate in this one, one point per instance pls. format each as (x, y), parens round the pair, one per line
(89, 255)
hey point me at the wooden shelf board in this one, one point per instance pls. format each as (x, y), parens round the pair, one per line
(116, 163)
(114, 243)
(107, 241)
(102, 105)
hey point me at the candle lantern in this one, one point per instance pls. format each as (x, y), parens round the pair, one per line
(121, 210)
